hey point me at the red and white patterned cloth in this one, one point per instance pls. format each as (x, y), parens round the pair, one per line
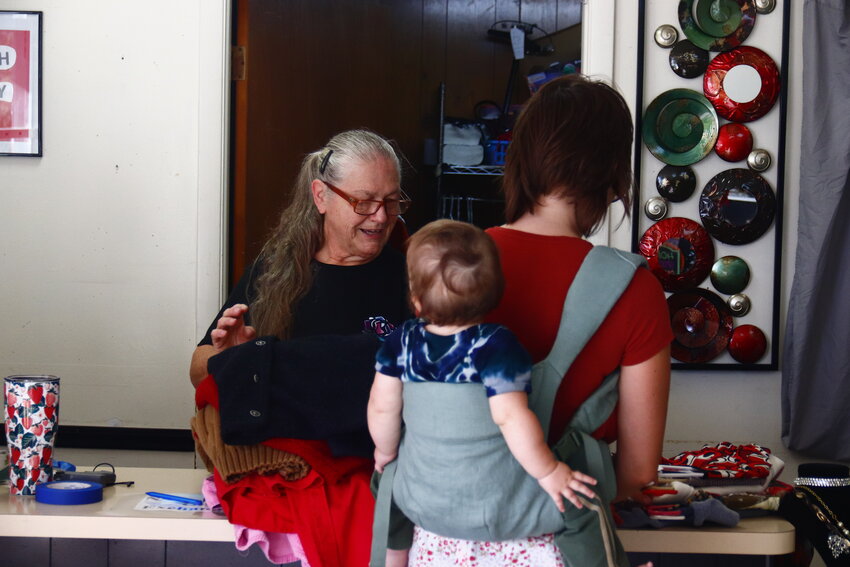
(432, 550)
(726, 460)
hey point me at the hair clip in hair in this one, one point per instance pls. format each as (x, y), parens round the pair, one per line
(324, 165)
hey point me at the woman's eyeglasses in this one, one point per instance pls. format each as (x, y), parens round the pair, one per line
(367, 207)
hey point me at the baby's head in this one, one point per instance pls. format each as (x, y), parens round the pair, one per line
(454, 272)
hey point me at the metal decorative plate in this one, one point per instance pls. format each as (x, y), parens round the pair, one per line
(687, 60)
(765, 6)
(666, 35)
(656, 208)
(679, 252)
(737, 206)
(717, 25)
(680, 127)
(712, 84)
(759, 160)
(739, 304)
(734, 142)
(702, 325)
(676, 183)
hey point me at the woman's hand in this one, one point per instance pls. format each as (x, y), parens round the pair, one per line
(564, 482)
(231, 329)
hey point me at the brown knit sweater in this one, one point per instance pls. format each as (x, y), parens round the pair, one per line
(235, 461)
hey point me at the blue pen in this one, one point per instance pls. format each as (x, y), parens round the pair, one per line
(175, 498)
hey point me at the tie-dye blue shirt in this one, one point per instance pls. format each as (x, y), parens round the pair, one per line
(486, 354)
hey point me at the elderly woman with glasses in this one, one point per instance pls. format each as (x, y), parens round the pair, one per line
(284, 372)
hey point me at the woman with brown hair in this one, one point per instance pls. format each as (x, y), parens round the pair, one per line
(568, 161)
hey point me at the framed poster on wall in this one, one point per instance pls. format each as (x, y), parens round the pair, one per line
(709, 168)
(20, 83)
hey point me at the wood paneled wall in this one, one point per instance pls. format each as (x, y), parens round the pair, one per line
(316, 67)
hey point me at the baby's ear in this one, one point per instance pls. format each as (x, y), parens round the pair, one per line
(417, 306)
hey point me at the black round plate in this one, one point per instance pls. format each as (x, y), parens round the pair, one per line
(676, 183)
(737, 206)
(687, 60)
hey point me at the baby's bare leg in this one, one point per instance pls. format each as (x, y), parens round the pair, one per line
(397, 557)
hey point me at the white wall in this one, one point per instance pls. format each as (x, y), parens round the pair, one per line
(112, 241)
(708, 407)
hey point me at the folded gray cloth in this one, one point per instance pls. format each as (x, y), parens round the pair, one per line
(713, 510)
(462, 134)
(463, 155)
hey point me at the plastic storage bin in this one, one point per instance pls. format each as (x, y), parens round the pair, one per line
(494, 153)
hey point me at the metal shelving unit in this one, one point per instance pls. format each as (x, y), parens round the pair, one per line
(447, 169)
(459, 205)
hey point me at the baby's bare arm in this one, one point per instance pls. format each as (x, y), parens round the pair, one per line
(524, 437)
(384, 417)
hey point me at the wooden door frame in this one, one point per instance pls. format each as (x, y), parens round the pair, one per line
(239, 145)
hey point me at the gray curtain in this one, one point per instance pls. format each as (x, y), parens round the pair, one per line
(816, 356)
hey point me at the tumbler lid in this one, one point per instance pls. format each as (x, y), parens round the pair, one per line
(32, 378)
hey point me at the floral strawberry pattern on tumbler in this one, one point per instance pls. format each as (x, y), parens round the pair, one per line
(32, 415)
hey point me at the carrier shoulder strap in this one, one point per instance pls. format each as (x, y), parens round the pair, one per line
(602, 278)
(382, 517)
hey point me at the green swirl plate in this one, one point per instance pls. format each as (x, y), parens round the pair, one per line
(680, 127)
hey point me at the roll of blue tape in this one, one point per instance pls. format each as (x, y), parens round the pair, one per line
(68, 492)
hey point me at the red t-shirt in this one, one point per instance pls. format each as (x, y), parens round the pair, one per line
(538, 272)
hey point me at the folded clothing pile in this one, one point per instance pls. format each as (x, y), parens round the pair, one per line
(725, 468)
(715, 484)
(462, 143)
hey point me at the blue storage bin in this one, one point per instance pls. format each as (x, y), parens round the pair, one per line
(495, 152)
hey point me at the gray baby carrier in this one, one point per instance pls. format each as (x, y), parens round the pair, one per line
(451, 443)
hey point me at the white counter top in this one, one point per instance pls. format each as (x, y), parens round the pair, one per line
(116, 518)
(766, 535)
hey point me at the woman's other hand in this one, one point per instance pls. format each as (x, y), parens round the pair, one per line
(231, 329)
(564, 482)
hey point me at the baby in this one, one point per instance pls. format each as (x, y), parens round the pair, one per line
(455, 280)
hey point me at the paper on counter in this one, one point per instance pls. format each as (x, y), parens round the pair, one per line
(150, 503)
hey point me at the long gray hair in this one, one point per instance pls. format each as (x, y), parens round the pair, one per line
(287, 254)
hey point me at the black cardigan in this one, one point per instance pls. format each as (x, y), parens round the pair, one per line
(305, 388)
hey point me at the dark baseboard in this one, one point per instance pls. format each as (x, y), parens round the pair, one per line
(124, 438)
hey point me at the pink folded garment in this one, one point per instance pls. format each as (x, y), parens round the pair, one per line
(278, 547)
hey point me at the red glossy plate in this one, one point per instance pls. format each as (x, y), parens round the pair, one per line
(748, 344)
(679, 252)
(702, 325)
(734, 142)
(715, 91)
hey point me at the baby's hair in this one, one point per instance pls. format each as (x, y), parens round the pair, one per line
(454, 273)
